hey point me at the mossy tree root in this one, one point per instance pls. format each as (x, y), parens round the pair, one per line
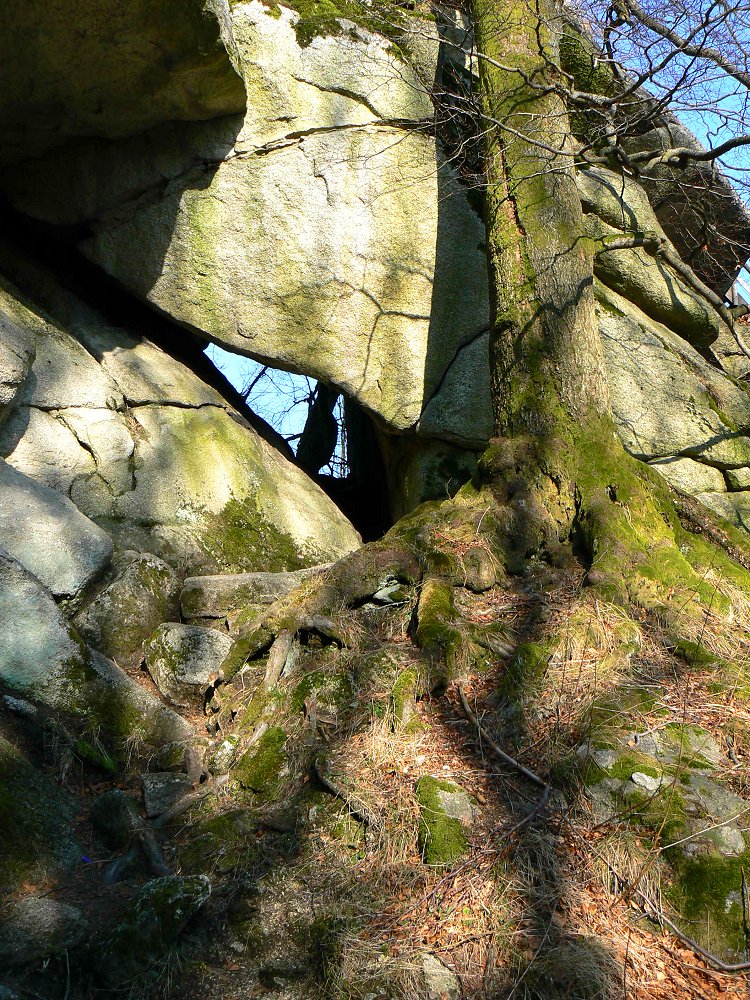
(313, 606)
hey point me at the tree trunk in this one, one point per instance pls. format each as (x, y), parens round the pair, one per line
(546, 354)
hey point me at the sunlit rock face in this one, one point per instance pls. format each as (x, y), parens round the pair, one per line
(305, 213)
(133, 442)
(291, 234)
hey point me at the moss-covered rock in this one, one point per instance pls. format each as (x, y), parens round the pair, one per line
(183, 659)
(142, 594)
(333, 691)
(444, 810)
(223, 843)
(403, 696)
(260, 769)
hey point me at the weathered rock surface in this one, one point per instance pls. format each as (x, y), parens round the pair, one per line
(43, 659)
(668, 402)
(182, 659)
(49, 536)
(440, 982)
(689, 476)
(37, 927)
(279, 248)
(162, 789)
(142, 935)
(17, 352)
(131, 454)
(143, 592)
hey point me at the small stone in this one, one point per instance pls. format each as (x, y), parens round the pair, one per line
(37, 927)
(183, 659)
(441, 983)
(604, 758)
(738, 479)
(392, 593)
(162, 790)
(729, 840)
(647, 781)
(444, 809)
(223, 756)
(480, 569)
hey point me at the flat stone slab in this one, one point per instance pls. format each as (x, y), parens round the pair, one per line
(219, 596)
(183, 659)
(48, 535)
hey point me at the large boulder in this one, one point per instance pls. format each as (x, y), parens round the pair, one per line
(47, 534)
(159, 459)
(38, 927)
(37, 838)
(291, 236)
(44, 660)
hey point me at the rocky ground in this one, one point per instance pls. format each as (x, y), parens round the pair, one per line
(338, 832)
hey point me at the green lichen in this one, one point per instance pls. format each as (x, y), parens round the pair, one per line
(259, 770)
(240, 539)
(442, 839)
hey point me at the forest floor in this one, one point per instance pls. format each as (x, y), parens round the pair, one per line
(536, 906)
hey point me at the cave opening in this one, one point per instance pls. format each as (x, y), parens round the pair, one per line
(330, 434)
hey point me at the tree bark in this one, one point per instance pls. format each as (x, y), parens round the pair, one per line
(546, 356)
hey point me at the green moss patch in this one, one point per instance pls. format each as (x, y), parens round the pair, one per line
(442, 839)
(222, 843)
(240, 540)
(403, 695)
(333, 691)
(259, 770)
(707, 891)
(323, 17)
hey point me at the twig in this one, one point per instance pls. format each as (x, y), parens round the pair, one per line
(529, 775)
(528, 818)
